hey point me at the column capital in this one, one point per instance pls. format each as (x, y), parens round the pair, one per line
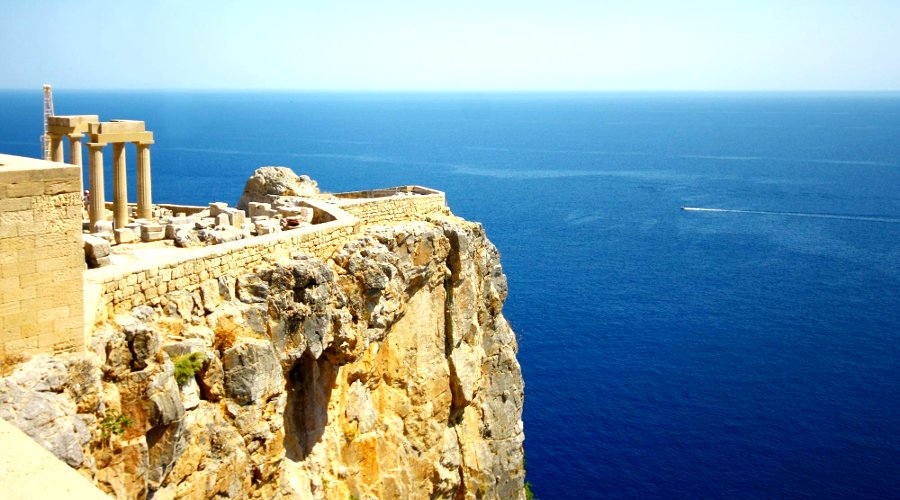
(96, 145)
(75, 136)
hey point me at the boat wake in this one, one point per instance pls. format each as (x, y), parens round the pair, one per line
(868, 218)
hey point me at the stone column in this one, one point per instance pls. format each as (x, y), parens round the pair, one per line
(95, 172)
(120, 186)
(75, 149)
(144, 194)
(56, 152)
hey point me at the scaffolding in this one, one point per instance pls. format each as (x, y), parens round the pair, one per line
(48, 112)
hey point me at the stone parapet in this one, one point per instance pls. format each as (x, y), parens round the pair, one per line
(393, 204)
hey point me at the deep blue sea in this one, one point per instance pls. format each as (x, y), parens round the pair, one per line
(666, 353)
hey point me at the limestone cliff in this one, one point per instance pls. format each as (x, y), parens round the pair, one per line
(386, 371)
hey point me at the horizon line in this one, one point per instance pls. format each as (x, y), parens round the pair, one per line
(464, 91)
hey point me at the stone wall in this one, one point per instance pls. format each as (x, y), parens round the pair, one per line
(394, 208)
(41, 256)
(122, 287)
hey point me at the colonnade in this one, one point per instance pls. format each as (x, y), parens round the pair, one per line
(100, 134)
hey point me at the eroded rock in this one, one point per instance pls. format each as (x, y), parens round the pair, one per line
(275, 181)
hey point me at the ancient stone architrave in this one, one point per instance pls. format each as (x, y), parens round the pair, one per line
(118, 133)
(73, 127)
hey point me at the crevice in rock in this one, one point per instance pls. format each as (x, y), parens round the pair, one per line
(309, 385)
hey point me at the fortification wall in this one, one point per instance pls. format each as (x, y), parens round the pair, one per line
(394, 208)
(41, 256)
(122, 287)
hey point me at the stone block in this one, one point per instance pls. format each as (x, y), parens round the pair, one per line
(217, 208)
(102, 226)
(125, 235)
(236, 217)
(267, 226)
(174, 227)
(205, 223)
(96, 250)
(152, 232)
(223, 220)
(257, 208)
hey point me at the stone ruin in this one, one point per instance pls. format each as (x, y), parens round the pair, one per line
(273, 201)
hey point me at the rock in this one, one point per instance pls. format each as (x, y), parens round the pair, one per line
(186, 238)
(180, 303)
(143, 341)
(222, 220)
(200, 332)
(221, 234)
(465, 372)
(112, 348)
(360, 407)
(215, 461)
(211, 379)
(151, 398)
(182, 347)
(205, 223)
(96, 250)
(124, 474)
(275, 181)
(164, 448)
(252, 371)
(387, 372)
(251, 289)
(84, 382)
(227, 286)
(209, 291)
(32, 399)
(190, 395)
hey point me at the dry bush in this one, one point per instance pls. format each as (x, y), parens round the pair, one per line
(8, 362)
(224, 336)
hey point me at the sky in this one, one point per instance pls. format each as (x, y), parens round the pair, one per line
(460, 45)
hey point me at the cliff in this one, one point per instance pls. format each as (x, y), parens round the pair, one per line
(384, 371)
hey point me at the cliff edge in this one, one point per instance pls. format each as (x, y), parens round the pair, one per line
(384, 371)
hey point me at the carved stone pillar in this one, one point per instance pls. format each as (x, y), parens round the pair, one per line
(75, 149)
(95, 172)
(56, 152)
(144, 193)
(120, 186)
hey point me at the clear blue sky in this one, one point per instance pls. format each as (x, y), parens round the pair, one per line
(452, 45)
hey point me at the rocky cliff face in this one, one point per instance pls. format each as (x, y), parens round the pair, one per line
(387, 371)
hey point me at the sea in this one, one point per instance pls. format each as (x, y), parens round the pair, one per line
(747, 350)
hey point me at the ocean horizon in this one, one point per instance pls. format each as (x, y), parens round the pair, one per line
(745, 348)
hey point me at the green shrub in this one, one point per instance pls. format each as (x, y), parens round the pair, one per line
(186, 366)
(528, 494)
(114, 423)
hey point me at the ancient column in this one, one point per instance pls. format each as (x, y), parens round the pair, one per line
(56, 152)
(120, 186)
(95, 172)
(144, 195)
(75, 156)
(75, 149)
